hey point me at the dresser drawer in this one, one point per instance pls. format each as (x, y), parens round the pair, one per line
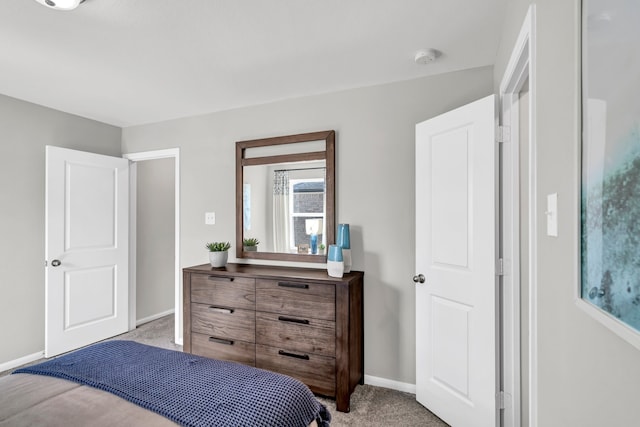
(307, 300)
(299, 334)
(217, 348)
(228, 323)
(317, 372)
(236, 292)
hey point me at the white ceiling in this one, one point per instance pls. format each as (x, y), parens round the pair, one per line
(130, 62)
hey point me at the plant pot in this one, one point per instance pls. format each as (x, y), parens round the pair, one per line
(218, 259)
(250, 248)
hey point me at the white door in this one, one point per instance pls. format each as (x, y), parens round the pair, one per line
(455, 252)
(87, 240)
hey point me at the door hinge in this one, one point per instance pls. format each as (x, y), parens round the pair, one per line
(500, 400)
(500, 267)
(503, 134)
(504, 401)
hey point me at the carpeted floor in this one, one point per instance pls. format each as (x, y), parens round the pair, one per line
(377, 406)
(370, 406)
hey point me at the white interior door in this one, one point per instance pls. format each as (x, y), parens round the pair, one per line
(87, 232)
(456, 321)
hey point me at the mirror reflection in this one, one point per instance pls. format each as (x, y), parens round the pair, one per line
(285, 197)
(284, 206)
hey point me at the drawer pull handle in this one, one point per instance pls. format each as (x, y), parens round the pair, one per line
(221, 310)
(293, 320)
(221, 278)
(293, 285)
(297, 356)
(220, 341)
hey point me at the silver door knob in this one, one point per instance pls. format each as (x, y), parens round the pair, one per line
(419, 278)
(55, 263)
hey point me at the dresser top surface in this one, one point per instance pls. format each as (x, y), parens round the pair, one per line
(268, 271)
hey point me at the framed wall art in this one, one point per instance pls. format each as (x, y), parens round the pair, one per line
(610, 190)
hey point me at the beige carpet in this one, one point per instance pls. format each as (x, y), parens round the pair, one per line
(370, 406)
(377, 406)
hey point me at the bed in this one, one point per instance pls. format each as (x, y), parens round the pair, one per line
(128, 383)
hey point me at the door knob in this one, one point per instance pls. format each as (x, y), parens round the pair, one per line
(55, 263)
(419, 278)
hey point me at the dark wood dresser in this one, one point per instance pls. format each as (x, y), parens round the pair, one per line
(296, 321)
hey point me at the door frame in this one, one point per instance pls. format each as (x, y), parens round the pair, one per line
(138, 157)
(520, 69)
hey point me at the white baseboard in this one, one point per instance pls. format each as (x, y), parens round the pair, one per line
(394, 385)
(39, 355)
(21, 361)
(154, 317)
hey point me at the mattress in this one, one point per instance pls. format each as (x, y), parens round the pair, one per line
(36, 400)
(111, 383)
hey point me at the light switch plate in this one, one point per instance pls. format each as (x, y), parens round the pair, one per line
(552, 215)
(210, 218)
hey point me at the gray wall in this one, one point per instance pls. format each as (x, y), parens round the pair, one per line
(25, 129)
(375, 186)
(155, 237)
(587, 375)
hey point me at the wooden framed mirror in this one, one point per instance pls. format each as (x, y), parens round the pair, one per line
(285, 196)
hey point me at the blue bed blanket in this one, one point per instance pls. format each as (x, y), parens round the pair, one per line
(189, 390)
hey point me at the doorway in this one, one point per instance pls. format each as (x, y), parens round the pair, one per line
(155, 238)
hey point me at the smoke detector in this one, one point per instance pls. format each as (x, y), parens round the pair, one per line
(426, 56)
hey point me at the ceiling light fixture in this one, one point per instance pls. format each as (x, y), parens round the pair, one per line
(426, 56)
(60, 4)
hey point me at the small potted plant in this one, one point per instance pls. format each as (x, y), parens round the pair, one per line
(321, 248)
(218, 254)
(250, 244)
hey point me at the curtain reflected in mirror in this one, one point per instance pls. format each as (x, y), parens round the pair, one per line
(281, 216)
